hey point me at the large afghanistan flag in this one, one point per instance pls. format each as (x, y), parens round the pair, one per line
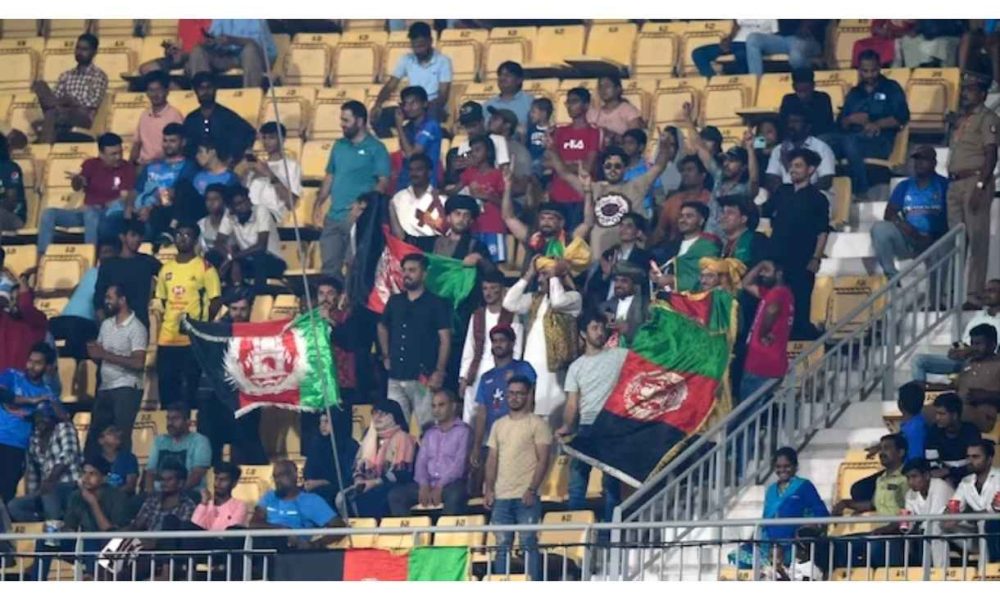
(665, 393)
(288, 363)
(446, 277)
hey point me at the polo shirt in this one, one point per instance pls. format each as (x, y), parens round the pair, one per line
(778, 163)
(413, 333)
(255, 29)
(429, 75)
(798, 218)
(121, 339)
(886, 99)
(923, 208)
(11, 178)
(105, 183)
(16, 422)
(125, 464)
(492, 391)
(159, 175)
(233, 135)
(245, 234)
(355, 168)
(81, 303)
(974, 500)
(427, 134)
(149, 131)
(305, 511)
(818, 111)
(519, 104)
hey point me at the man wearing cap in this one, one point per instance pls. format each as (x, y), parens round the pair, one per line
(472, 121)
(416, 212)
(424, 68)
(626, 310)
(915, 216)
(510, 78)
(972, 158)
(599, 285)
(798, 134)
(458, 242)
(807, 100)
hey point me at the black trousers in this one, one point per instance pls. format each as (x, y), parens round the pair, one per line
(11, 471)
(77, 331)
(801, 282)
(178, 373)
(117, 407)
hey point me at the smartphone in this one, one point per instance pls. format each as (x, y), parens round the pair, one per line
(759, 143)
(250, 157)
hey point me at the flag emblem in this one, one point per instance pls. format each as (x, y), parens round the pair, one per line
(265, 365)
(654, 393)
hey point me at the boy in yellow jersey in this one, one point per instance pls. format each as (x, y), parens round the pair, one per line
(186, 285)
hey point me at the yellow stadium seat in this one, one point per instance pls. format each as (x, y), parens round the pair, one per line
(820, 299)
(854, 574)
(126, 108)
(725, 96)
(255, 481)
(547, 88)
(81, 421)
(555, 488)
(364, 24)
(554, 44)
(148, 425)
(479, 92)
(76, 150)
(244, 102)
(286, 306)
(20, 258)
(472, 539)
(396, 46)
(307, 63)
(361, 418)
(315, 155)
(847, 32)
(640, 93)
(848, 293)
(62, 266)
(508, 43)
(303, 210)
(772, 89)
(52, 307)
(293, 263)
(511, 577)
(117, 57)
(696, 34)
(465, 49)
(160, 27)
(67, 374)
(293, 148)
(856, 466)
(112, 28)
(65, 28)
(392, 541)
(325, 121)
(670, 97)
(361, 540)
(569, 543)
(57, 58)
(900, 75)
(358, 56)
(656, 51)
(261, 308)
(19, 61)
(836, 84)
(840, 213)
(18, 28)
(733, 574)
(24, 110)
(595, 484)
(611, 41)
(152, 46)
(294, 106)
(932, 93)
(21, 561)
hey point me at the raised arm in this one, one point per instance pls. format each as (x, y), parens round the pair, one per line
(516, 226)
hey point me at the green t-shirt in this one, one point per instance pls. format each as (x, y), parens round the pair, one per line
(356, 169)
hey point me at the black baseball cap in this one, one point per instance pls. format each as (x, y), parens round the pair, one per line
(470, 112)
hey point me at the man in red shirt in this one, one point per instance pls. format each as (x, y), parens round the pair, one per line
(767, 358)
(108, 183)
(576, 143)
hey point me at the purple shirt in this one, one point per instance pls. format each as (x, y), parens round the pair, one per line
(443, 455)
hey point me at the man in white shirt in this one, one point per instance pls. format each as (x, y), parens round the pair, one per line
(477, 353)
(626, 310)
(424, 67)
(797, 136)
(255, 237)
(978, 492)
(276, 184)
(416, 213)
(933, 364)
(735, 44)
(927, 496)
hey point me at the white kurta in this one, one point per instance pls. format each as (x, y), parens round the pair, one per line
(549, 394)
(487, 362)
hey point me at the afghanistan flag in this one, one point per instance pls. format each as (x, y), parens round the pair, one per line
(288, 364)
(665, 393)
(685, 267)
(446, 277)
(426, 563)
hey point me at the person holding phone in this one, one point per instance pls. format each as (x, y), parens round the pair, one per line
(934, 364)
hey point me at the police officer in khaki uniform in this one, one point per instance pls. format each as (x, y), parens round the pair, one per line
(975, 135)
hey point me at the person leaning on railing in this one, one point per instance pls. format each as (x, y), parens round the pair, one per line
(978, 492)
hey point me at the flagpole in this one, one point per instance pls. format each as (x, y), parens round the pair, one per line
(305, 281)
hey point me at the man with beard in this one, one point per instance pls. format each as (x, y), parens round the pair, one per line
(767, 357)
(598, 287)
(798, 135)
(627, 308)
(159, 182)
(228, 131)
(256, 253)
(417, 213)
(676, 262)
(477, 353)
(458, 242)
(414, 336)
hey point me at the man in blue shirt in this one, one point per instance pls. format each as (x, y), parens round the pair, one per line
(22, 393)
(235, 44)
(358, 164)
(421, 134)
(423, 68)
(288, 507)
(915, 216)
(634, 145)
(510, 78)
(77, 324)
(874, 111)
(157, 183)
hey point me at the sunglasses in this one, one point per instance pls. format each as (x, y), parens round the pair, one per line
(614, 165)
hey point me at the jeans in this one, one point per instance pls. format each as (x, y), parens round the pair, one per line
(800, 52)
(934, 364)
(41, 507)
(91, 548)
(513, 511)
(579, 479)
(890, 243)
(856, 147)
(334, 246)
(704, 56)
(97, 222)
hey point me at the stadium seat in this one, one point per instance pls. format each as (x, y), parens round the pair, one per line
(148, 425)
(931, 94)
(670, 97)
(52, 307)
(21, 560)
(656, 50)
(294, 106)
(472, 539)
(724, 97)
(293, 263)
(315, 155)
(361, 418)
(511, 577)
(115, 28)
(81, 422)
(244, 102)
(152, 47)
(728, 573)
(395, 542)
(65, 28)
(18, 28)
(364, 24)
(465, 49)
(837, 84)
(595, 484)
(325, 121)
(569, 543)
(771, 89)
(57, 57)
(20, 258)
(640, 93)
(854, 574)
(160, 27)
(365, 540)
(118, 57)
(696, 34)
(303, 210)
(261, 308)
(555, 488)
(840, 212)
(308, 63)
(611, 41)
(292, 144)
(358, 56)
(900, 75)
(255, 481)
(126, 108)
(849, 292)
(62, 266)
(19, 63)
(24, 110)
(845, 34)
(553, 44)
(856, 466)
(286, 306)
(396, 46)
(508, 43)
(79, 380)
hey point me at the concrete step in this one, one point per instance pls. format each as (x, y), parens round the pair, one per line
(849, 245)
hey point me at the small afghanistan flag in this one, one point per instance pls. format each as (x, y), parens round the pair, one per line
(425, 563)
(665, 393)
(288, 364)
(446, 277)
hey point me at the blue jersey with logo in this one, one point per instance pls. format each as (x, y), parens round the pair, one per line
(492, 392)
(925, 209)
(157, 175)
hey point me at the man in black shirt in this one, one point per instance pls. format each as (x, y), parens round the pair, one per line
(800, 217)
(231, 134)
(131, 270)
(415, 337)
(948, 440)
(815, 105)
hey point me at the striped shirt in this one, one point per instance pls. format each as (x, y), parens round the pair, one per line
(121, 339)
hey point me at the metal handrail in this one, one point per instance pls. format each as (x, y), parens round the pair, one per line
(701, 458)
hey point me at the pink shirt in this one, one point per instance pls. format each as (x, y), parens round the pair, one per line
(219, 518)
(150, 132)
(615, 120)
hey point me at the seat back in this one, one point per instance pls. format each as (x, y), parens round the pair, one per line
(358, 540)
(845, 35)
(62, 266)
(554, 44)
(358, 57)
(21, 561)
(393, 541)
(315, 155)
(255, 481)
(849, 292)
(569, 543)
(932, 93)
(772, 89)
(555, 488)
(294, 106)
(696, 34)
(471, 539)
(18, 65)
(656, 50)
(148, 425)
(724, 96)
(672, 94)
(244, 102)
(465, 49)
(20, 258)
(612, 40)
(307, 64)
(508, 43)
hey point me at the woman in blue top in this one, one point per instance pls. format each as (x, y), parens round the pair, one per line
(789, 497)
